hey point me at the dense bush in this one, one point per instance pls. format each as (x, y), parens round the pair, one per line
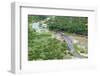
(42, 46)
(35, 18)
(76, 25)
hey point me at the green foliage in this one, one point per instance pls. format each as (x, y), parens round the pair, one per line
(35, 18)
(42, 46)
(80, 49)
(76, 25)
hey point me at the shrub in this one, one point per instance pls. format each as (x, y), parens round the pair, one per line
(69, 24)
(42, 46)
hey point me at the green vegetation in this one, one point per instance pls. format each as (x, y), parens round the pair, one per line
(80, 49)
(76, 25)
(42, 46)
(32, 18)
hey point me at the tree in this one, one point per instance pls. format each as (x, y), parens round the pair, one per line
(35, 18)
(69, 24)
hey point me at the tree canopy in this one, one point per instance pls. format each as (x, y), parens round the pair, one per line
(35, 18)
(69, 24)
